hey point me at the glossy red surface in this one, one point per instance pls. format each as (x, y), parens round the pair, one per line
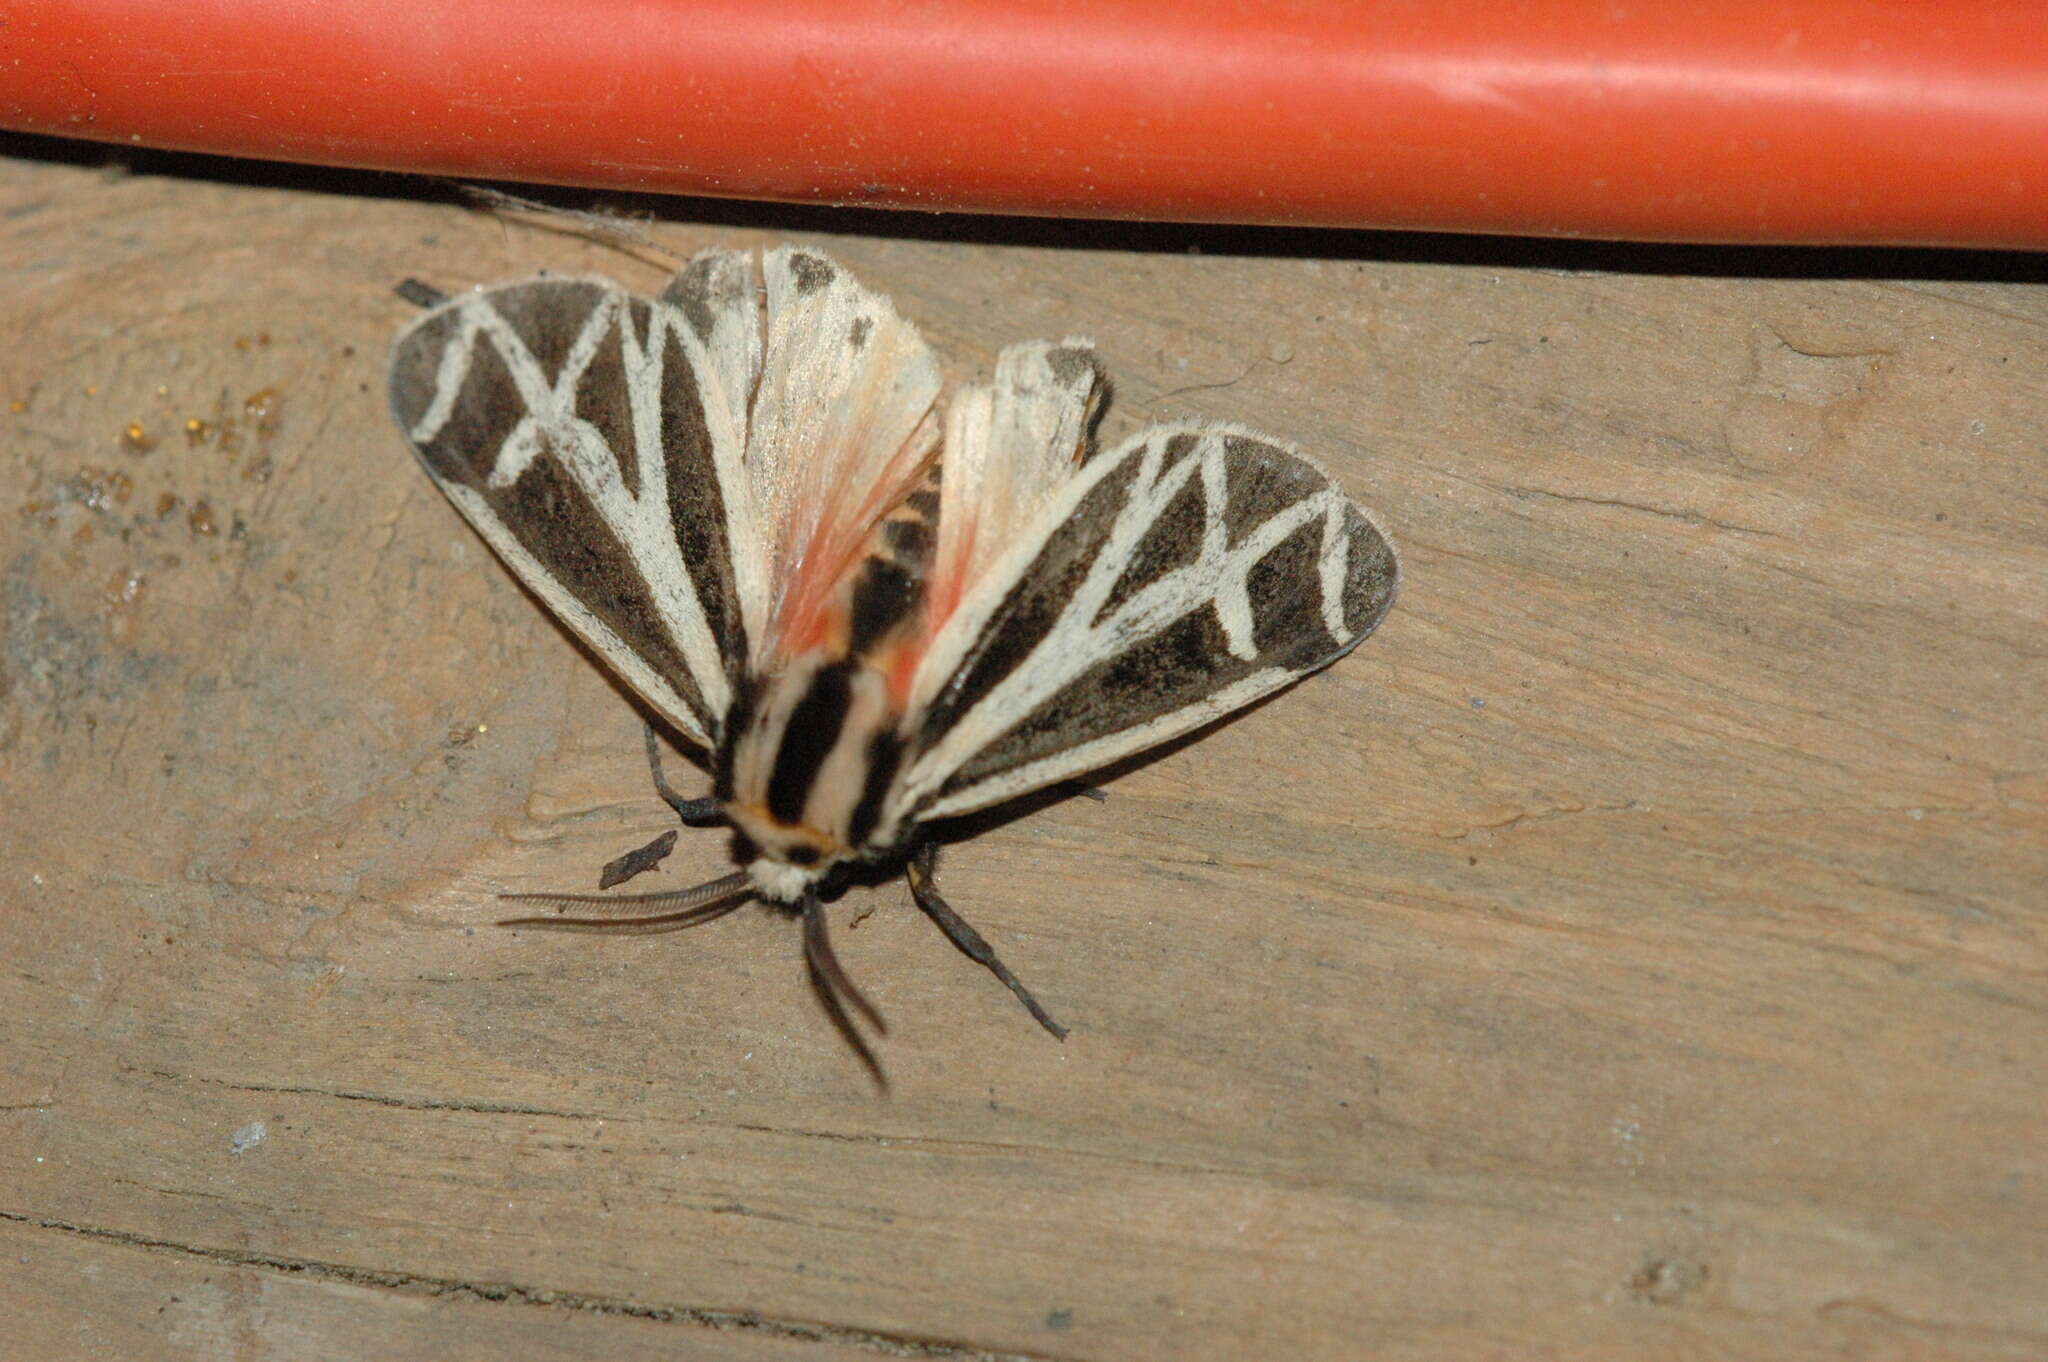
(1808, 121)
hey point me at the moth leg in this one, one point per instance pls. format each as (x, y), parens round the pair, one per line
(419, 294)
(1085, 790)
(919, 871)
(835, 990)
(695, 813)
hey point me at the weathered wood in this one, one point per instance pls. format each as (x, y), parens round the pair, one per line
(1635, 950)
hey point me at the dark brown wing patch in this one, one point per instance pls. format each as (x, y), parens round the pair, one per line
(1198, 570)
(525, 397)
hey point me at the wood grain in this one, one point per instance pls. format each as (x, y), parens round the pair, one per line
(1635, 950)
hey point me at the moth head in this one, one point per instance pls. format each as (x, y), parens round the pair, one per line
(788, 859)
(782, 882)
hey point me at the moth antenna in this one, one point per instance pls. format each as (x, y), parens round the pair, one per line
(601, 226)
(677, 908)
(831, 984)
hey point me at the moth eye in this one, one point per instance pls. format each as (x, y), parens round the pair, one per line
(800, 854)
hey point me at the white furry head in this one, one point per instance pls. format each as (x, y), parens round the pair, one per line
(781, 882)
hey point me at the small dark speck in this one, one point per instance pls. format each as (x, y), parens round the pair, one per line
(812, 272)
(1059, 1319)
(637, 861)
(1665, 1281)
(419, 293)
(1940, 516)
(1478, 703)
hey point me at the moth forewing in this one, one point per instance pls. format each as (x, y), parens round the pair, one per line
(1183, 575)
(563, 419)
(715, 293)
(715, 297)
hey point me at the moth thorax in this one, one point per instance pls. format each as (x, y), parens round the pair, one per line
(810, 768)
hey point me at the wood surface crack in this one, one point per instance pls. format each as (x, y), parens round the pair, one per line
(928, 1144)
(1915, 289)
(488, 1108)
(513, 1293)
(406, 1103)
(1817, 352)
(1681, 514)
(1503, 819)
(1854, 1306)
(735, 1208)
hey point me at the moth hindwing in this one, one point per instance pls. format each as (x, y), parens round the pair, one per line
(870, 612)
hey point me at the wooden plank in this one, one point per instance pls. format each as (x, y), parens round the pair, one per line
(1635, 950)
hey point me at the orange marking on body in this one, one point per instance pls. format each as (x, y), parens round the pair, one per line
(898, 661)
(757, 815)
(812, 613)
(948, 584)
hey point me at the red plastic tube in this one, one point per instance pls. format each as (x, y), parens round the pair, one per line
(1819, 121)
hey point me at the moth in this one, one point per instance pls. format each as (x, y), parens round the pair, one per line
(872, 612)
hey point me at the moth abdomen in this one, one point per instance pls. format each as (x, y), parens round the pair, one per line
(884, 597)
(885, 756)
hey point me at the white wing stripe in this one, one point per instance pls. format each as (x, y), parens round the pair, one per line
(1335, 567)
(1232, 593)
(609, 645)
(1091, 756)
(727, 427)
(449, 377)
(1076, 642)
(642, 523)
